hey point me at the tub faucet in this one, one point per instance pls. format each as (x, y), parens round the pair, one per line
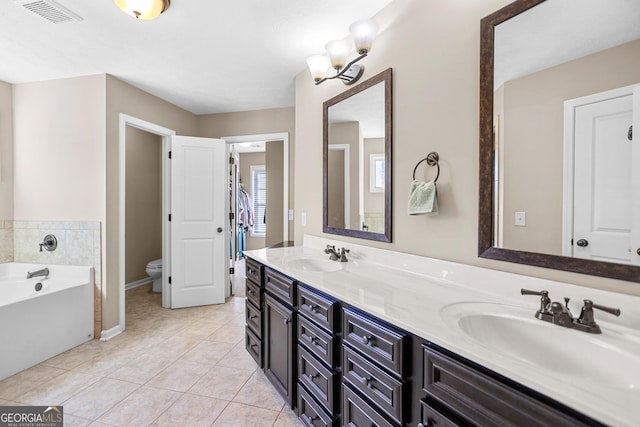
(44, 272)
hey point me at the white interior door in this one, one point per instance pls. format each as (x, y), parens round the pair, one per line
(603, 208)
(199, 243)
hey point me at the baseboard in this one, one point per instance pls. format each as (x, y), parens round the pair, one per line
(137, 283)
(108, 334)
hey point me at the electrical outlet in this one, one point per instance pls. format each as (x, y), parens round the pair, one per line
(291, 215)
(303, 219)
(521, 219)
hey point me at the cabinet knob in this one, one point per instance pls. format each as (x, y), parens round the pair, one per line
(253, 317)
(251, 292)
(366, 340)
(312, 376)
(312, 340)
(313, 308)
(287, 321)
(366, 381)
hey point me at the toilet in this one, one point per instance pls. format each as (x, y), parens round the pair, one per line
(154, 270)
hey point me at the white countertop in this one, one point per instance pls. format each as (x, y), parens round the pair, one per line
(413, 292)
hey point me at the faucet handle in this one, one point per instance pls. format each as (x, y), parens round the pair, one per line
(329, 248)
(545, 301)
(586, 319)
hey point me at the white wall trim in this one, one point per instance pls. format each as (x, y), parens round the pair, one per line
(108, 334)
(124, 121)
(138, 283)
(280, 136)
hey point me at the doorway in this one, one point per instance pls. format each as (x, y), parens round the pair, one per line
(259, 169)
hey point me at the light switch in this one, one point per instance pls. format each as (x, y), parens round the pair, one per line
(521, 219)
(303, 219)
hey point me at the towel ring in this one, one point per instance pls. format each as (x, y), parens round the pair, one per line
(432, 160)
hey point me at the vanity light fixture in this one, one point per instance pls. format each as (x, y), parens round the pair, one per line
(363, 33)
(143, 9)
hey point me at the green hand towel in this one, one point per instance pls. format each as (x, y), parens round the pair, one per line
(423, 198)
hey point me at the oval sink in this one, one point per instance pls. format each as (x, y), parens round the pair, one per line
(515, 332)
(317, 265)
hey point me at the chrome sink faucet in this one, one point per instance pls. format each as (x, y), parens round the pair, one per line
(336, 255)
(559, 314)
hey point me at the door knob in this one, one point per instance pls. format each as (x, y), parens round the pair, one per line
(219, 230)
(638, 251)
(582, 243)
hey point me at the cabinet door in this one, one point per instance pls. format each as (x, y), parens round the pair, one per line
(279, 347)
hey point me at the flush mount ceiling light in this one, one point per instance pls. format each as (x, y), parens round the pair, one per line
(363, 33)
(143, 9)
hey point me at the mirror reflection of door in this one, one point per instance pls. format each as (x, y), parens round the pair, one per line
(337, 202)
(605, 192)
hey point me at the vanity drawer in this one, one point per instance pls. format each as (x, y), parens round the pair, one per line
(321, 309)
(478, 399)
(356, 413)
(316, 340)
(253, 318)
(429, 416)
(382, 389)
(320, 381)
(311, 414)
(376, 340)
(280, 285)
(253, 271)
(254, 295)
(253, 344)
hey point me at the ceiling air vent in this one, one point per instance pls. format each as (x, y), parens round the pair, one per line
(49, 10)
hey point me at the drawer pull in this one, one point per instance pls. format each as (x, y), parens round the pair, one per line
(253, 345)
(366, 340)
(313, 308)
(251, 292)
(251, 270)
(366, 381)
(313, 340)
(312, 376)
(287, 321)
(253, 317)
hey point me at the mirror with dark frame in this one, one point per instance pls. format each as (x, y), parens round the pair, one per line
(559, 164)
(357, 160)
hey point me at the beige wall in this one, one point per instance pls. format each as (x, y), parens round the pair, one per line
(143, 217)
(533, 129)
(59, 149)
(276, 120)
(124, 98)
(6, 151)
(246, 161)
(274, 162)
(435, 108)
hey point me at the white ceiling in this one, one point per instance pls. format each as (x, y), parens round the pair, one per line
(206, 56)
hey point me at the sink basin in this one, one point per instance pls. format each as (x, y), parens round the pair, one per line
(317, 265)
(607, 359)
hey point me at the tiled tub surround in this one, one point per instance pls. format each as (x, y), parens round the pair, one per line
(6, 241)
(413, 292)
(39, 324)
(79, 243)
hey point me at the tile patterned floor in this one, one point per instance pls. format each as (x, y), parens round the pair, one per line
(184, 367)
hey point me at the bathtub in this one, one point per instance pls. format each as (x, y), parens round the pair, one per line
(37, 325)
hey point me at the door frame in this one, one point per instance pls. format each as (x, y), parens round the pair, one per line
(125, 120)
(570, 107)
(279, 136)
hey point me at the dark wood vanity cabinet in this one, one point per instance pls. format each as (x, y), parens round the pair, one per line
(457, 393)
(341, 366)
(280, 343)
(253, 309)
(318, 358)
(375, 385)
